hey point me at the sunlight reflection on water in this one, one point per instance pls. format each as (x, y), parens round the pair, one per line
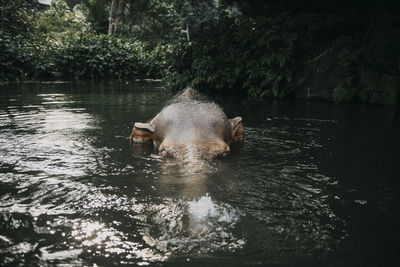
(178, 217)
(75, 191)
(46, 139)
(46, 142)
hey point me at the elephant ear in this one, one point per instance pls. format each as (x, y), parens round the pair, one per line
(237, 129)
(142, 132)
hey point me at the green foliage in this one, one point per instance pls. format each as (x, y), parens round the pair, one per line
(369, 65)
(154, 22)
(59, 20)
(235, 56)
(22, 58)
(12, 59)
(257, 53)
(261, 56)
(22, 55)
(103, 56)
(60, 46)
(83, 56)
(97, 14)
(16, 17)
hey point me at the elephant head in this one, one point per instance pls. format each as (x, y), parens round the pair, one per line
(190, 128)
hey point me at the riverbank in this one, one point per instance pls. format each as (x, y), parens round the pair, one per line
(232, 104)
(337, 54)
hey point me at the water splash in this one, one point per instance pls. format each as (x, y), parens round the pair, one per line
(201, 225)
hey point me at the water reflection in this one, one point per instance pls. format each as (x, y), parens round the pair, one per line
(74, 191)
(49, 159)
(100, 239)
(287, 192)
(46, 138)
(172, 208)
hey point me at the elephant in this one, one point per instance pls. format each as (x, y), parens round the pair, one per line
(190, 127)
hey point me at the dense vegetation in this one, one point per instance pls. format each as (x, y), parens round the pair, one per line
(255, 49)
(58, 43)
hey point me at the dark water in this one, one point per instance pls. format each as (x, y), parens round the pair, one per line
(313, 184)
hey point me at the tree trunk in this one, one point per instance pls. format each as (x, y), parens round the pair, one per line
(187, 32)
(111, 18)
(115, 14)
(118, 14)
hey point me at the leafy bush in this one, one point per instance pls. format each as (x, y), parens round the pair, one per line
(23, 57)
(369, 67)
(18, 55)
(12, 59)
(263, 57)
(103, 56)
(254, 57)
(84, 56)
(250, 54)
(16, 17)
(59, 20)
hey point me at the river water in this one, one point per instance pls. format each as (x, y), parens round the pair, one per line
(313, 184)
